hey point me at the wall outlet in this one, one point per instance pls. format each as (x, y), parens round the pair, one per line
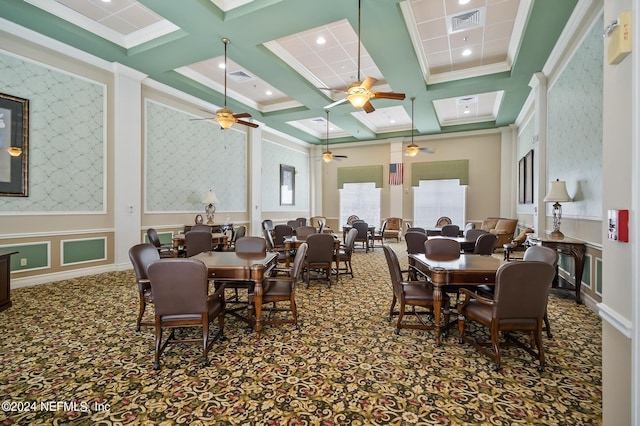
(23, 261)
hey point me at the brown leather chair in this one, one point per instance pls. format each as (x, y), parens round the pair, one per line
(141, 256)
(442, 221)
(179, 290)
(485, 244)
(164, 250)
(450, 230)
(279, 234)
(197, 242)
(251, 245)
(378, 235)
(547, 255)
(363, 234)
(319, 255)
(519, 304)
(344, 254)
(303, 232)
(416, 229)
(415, 241)
(410, 293)
(442, 248)
(282, 288)
(351, 219)
(473, 234)
(198, 227)
(280, 250)
(236, 233)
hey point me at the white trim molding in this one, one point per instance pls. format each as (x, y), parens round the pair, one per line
(617, 321)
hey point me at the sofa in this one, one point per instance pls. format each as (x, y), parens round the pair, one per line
(501, 227)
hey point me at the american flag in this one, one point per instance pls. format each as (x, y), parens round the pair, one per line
(395, 174)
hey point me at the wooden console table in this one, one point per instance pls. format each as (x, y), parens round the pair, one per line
(5, 280)
(568, 246)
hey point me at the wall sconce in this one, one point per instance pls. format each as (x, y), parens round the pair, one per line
(210, 209)
(557, 193)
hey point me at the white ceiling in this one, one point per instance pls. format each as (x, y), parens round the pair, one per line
(440, 30)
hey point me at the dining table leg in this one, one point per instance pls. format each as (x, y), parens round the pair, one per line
(257, 273)
(437, 306)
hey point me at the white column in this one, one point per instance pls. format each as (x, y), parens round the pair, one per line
(508, 177)
(127, 164)
(539, 85)
(395, 191)
(255, 181)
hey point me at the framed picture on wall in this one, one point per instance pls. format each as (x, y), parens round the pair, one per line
(528, 169)
(14, 141)
(521, 181)
(287, 185)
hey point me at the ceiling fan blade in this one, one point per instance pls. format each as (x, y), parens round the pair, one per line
(368, 107)
(340, 156)
(368, 82)
(335, 103)
(427, 150)
(199, 119)
(389, 95)
(246, 123)
(242, 115)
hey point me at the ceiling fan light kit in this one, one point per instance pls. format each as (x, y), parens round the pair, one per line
(225, 118)
(413, 150)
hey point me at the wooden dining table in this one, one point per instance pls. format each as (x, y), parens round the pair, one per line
(466, 270)
(231, 266)
(179, 240)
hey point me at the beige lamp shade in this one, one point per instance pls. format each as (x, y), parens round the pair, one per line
(557, 192)
(210, 198)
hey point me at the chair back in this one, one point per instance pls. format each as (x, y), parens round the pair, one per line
(302, 232)
(250, 245)
(442, 248)
(302, 221)
(153, 237)
(415, 241)
(416, 229)
(239, 232)
(442, 221)
(394, 268)
(450, 230)
(267, 224)
(268, 236)
(293, 223)
(469, 226)
(522, 290)
(320, 227)
(201, 228)
(279, 234)
(197, 242)
(473, 234)
(363, 230)
(351, 218)
(141, 256)
(541, 254)
(485, 244)
(394, 223)
(298, 261)
(350, 240)
(320, 248)
(179, 286)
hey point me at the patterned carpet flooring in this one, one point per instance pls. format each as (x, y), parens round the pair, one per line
(70, 355)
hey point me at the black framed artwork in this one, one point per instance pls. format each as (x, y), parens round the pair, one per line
(528, 169)
(521, 181)
(287, 185)
(14, 146)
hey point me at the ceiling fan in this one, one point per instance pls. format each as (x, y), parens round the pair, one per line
(224, 116)
(327, 156)
(413, 149)
(359, 94)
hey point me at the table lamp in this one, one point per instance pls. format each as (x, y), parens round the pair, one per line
(557, 193)
(210, 209)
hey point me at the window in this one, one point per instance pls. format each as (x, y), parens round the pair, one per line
(436, 198)
(287, 185)
(362, 200)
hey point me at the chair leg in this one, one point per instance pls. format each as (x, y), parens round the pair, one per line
(393, 305)
(538, 339)
(294, 310)
(495, 343)
(143, 305)
(547, 326)
(205, 340)
(156, 364)
(400, 315)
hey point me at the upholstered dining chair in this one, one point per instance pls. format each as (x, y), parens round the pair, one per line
(415, 241)
(280, 232)
(410, 293)
(363, 234)
(450, 230)
(351, 219)
(237, 233)
(442, 248)
(279, 250)
(282, 288)
(547, 255)
(141, 256)
(518, 305)
(378, 235)
(164, 250)
(198, 227)
(179, 288)
(485, 244)
(303, 232)
(416, 229)
(197, 242)
(319, 257)
(344, 254)
(251, 245)
(442, 221)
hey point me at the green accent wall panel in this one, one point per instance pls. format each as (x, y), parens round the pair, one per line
(37, 256)
(165, 237)
(85, 250)
(599, 276)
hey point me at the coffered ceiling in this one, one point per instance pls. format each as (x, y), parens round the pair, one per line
(467, 63)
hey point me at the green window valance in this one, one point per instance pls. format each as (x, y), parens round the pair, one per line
(438, 170)
(359, 175)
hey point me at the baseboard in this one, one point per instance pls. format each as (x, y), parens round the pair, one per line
(66, 275)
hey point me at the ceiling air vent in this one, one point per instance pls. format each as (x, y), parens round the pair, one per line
(466, 21)
(239, 76)
(467, 100)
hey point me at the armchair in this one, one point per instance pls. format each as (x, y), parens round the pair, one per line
(504, 230)
(393, 228)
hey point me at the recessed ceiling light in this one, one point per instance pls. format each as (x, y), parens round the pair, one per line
(221, 65)
(392, 121)
(269, 92)
(463, 1)
(466, 111)
(321, 40)
(466, 52)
